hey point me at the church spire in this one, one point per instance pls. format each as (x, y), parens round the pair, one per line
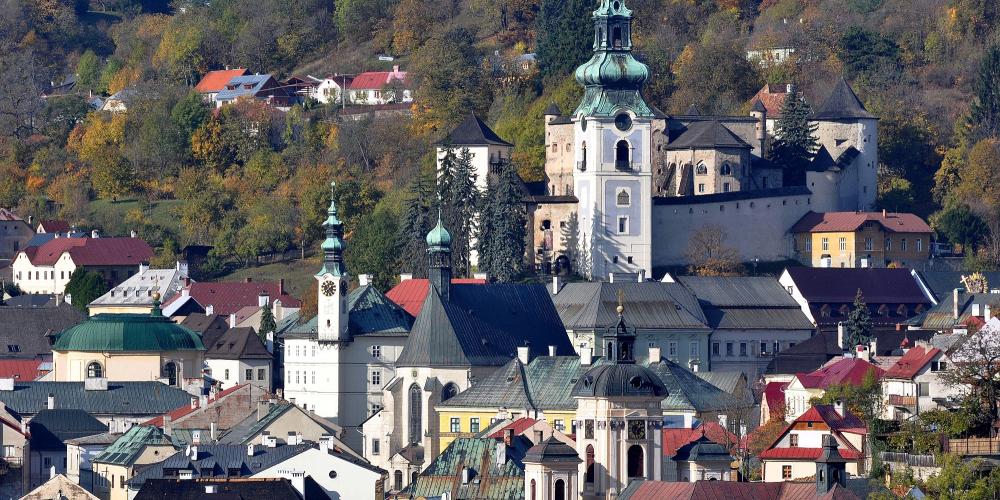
(333, 245)
(439, 259)
(619, 340)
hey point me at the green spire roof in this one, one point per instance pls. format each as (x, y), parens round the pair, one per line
(439, 236)
(333, 245)
(612, 78)
(128, 332)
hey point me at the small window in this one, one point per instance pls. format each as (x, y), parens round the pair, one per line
(622, 225)
(825, 243)
(701, 188)
(786, 472)
(902, 245)
(474, 424)
(94, 370)
(693, 349)
(869, 244)
(793, 440)
(743, 348)
(456, 424)
(249, 374)
(623, 199)
(842, 242)
(376, 378)
(672, 349)
(729, 348)
(701, 168)
(725, 187)
(377, 351)
(920, 245)
(261, 373)
(726, 169)
(715, 348)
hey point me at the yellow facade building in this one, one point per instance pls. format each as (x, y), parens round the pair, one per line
(862, 239)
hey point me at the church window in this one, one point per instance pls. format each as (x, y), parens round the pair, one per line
(456, 424)
(416, 414)
(397, 480)
(589, 476)
(726, 169)
(622, 225)
(377, 351)
(701, 168)
(588, 431)
(622, 155)
(623, 199)
(635, 462)
(95, 370)
(450, 390)
(701, 188)
(474, 424)
(902, 310)
(560, 490)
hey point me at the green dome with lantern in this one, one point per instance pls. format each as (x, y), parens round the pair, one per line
(439, 236)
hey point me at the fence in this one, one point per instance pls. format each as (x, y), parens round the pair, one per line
(908, 459)
(973, 446)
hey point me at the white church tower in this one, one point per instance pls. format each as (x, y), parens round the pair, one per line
(333, 280)
(613, 137)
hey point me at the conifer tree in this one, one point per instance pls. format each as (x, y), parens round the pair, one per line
(858, 328)
(795, 143)
(416, 224)
(565, 35)
(502, 228)
(985, 113)
(461, 202)
(267, 323)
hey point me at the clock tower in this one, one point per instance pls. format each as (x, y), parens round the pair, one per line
(333, 279)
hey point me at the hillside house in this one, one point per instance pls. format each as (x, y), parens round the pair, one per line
(215, 81)
(47, 268)
(380, 87)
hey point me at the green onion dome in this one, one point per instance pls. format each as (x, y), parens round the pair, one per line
(439, 236)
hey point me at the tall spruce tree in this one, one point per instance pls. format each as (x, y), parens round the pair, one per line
(985, 114)
(858, 328)
(417, 210)
(267, 323)
(461, 202)
(565, 34)
(795, 143)
(503, 222)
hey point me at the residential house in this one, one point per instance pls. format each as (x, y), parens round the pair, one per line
(80, 453)
(261, 87)
(228, 298)
(914, 384)
(380, 87)
(794, 453)
(121, 100)
(135, 295)
(27, 333)
(337, 472)
(53, 226)
(702, 453)
(826, 296)
(331, 88)
(410, 293)
(655, 490)
(118, 405)
(806, 386)
(301, 87)
(487, 149)
(48, 431)
(215, 81)
(230, 488)
(59, 487)
(141, 445)
(13, 437)
(14, 234)
(954, 311)
(129, 347)
(823, 347)
(667, 316)
(239, 356)
(752, 320)
(772, 98)
(286, 423)
(47, 268)
(210, 326)
(862, 239)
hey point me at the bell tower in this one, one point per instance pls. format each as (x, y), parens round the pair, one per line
(333, 280)
(613, 127)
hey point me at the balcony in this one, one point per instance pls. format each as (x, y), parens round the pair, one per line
(897, 400)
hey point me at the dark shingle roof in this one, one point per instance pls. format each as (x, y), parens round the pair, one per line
(707, 135)
(688, 392)
(546, 383)
(371, 314)
(591, 305)
(840, 285)
(25, 331)
(942, 284)
(220, 458)
(121, 398)
(747, 303)
(238, 343)
(227, 489)
(50, 429)
(553, 109)
(493, 481)
(474, 132)
(210, 326)
(482, 325)
(843, 104)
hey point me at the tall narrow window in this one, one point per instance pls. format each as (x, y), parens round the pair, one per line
(589, 476)
(842, 242)
(416, 414)
(94, 370)
(622, 225)
(622, 161)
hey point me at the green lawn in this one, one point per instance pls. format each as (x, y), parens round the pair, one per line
(111, 215)
(298, 274)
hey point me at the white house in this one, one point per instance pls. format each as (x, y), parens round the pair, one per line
(794, 453)
(47, 268)
(805, 386)
(238, 356)
(330, 89)
(135, 295)
(485, 147)
(380, 87)
(912, 385)
(339, 474)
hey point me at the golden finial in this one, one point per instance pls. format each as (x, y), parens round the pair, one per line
(156, 296)
(621, 301)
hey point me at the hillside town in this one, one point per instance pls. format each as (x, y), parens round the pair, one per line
(613, 301)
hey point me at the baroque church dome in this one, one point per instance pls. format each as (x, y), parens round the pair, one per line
(619, 380)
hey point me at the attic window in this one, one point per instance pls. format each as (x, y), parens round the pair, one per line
(13, 348)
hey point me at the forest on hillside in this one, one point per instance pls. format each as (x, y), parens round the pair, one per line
(182, 173)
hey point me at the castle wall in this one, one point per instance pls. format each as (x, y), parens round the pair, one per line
(756, 227)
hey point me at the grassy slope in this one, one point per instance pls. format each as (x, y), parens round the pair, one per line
(110, 216)
(298, 274)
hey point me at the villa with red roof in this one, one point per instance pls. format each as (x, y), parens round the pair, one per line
(861, 239)
(805, 386)
(232, 297)
(47, 268)
(793, 453)
(380, 87)
(912, 385)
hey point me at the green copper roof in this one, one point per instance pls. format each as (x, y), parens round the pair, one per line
(128, 332)
(126, 449)
(439, 236)
(333, 245)
(612, 78)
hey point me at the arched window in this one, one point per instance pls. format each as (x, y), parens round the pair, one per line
(622, 151)
(416, 414)
(413, 477)
(449, 391)
(532, 492)
(635, 462)
(560, 492)
(170, 373)
(589, 476)
(397, 480)
(95, 370)
(726, 169)
(623, 198)
(902, 310)
(701, 169)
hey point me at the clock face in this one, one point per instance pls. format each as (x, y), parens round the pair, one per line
(636, 429)
(329, 288)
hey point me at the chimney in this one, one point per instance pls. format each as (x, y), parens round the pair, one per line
(586, 356)
(95, 234)
(539, 436)
(232, 320)
(194, 452)
(211, 489)
(263, 299)
(838, 406)
(975, 309)
(405, 276)
(250, 449)
(51, 404)
(611, 277)
(556, 283)
(522, 354)
(364, 279)
(209, 310)
(508, 436)
(552, 350)
(655, 355)
(840, 336)
(281, 287)
(143, 267)
(954, 303)
(863, 352)
(641, 275)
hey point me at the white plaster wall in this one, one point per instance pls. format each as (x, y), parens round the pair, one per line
(351, 480)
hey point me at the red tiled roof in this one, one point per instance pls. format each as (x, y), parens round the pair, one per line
(772, 96)
(214, 81)
(410, 294)
(828, 414)
(519, 426)
(21, 369)
(7, 215)
(179, 412)
(675, 439)
(805, 453)
(230, 297)
(843, 371)
(828, 222)
(731, 490)
(55, 226)
(370, 80)
(774, 394)
(911, 362)
(93, 251)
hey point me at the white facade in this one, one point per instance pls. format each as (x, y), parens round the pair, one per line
(338, 477)
(329, 89)
(773, 469)
(853, 188)
(42, 279)
(483, 156)
(233, 372)
(905, 398)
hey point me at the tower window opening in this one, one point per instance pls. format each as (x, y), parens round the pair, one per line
(616, 37)
(622, 153)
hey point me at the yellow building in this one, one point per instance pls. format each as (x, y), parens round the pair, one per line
(114, 466)
(862, 239)
(129, 347)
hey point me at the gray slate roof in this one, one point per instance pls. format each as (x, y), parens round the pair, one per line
(28, 328)
(842, 104)
(474, 132)
(138, 289)
(688, 392)
(942, 284)
(734, 302)
(371, 314)
(651, 305)
(482, 325)
(220, 459)
(121, 398)
(50, 429)
(545, 383)
(707, 135)
(237, 343)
